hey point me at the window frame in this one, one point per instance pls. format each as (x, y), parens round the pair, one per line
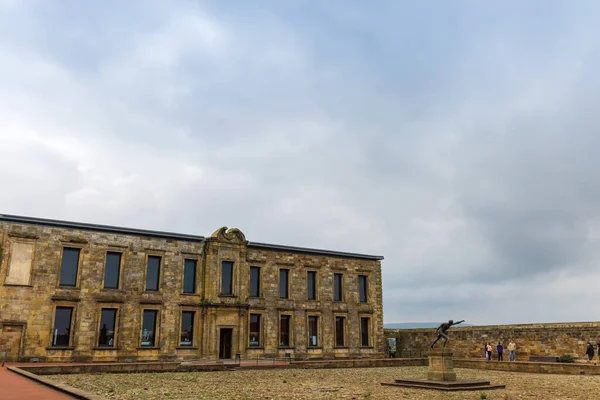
(233, 291)
(290, 317)
(160, 272)
(287, 288)
(344, 332)
(195, 328)
(341, 287)
(316, 284)
(367, 297)
(258, 283)
(73, 246)
(120, 276)
(157, 329)
(70, 344)
(369, 333)
(10, 250)
(261, 324)
(108, 306)
(319, 318)
(195, 280)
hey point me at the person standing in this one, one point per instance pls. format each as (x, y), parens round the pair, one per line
(589, 352)
(489, 352)
(512, 348)
(500, 350)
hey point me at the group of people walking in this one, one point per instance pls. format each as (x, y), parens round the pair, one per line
(512, 349)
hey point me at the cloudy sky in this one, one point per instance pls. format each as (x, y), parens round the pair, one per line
(459, 139)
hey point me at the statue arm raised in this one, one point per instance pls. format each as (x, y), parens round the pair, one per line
(459, 322)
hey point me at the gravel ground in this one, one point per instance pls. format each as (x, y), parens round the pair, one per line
(352, 383)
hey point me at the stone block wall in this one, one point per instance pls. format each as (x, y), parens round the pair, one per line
(30, 262)
(556, 339)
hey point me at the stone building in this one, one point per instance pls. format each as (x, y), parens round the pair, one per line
(83, 292)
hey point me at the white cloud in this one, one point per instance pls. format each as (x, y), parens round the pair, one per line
(462, 153)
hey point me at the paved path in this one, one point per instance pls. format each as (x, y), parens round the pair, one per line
(16, 387)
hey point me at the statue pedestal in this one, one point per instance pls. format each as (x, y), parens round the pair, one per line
(441, 376)
(441, 366)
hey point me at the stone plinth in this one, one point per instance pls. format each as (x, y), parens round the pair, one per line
(441, 366)
(441, 376)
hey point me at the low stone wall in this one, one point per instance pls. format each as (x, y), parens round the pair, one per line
(532, 367)
(115, 368)
(531, 339)
(361, 363)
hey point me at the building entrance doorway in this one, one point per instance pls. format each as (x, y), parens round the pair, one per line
(225, 339)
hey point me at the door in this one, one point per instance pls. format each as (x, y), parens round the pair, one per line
(225, 337)
(10, 337)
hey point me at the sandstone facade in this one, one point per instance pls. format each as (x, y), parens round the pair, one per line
(532, 340)
(64, 285)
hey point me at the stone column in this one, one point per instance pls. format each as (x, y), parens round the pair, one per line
(441, 366)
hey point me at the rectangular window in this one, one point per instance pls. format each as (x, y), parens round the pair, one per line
(108, 318)
(189, 276)
(62, 327)
(313, 331)
(153, 274)
(227, 278)
(187, 328)
(284, 331)
(254, 281)
(339, 331)
(362, 288)
(112, 270)
(311, 281)
(254, 330)
(21, 258)
(283, 283)
(337, 287)
(69, 267)
(364, 331)
(149, 328)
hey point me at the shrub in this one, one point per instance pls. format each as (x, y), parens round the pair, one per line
(567, 358)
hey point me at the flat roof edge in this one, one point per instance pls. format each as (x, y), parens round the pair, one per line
(313, 251)
(99, 228)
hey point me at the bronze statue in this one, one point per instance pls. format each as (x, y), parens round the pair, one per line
(442, 331)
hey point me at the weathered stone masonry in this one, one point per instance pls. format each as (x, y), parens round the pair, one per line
(532, 340)
(31, 255)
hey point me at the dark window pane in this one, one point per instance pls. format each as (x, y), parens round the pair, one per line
(107, 327)
(312, 285)
(254, 330)
(362, 288)
(254, 282)
(313, 331)
(227, 278)
(284, 331)
(187, 328)
(153, 274)
(339, 331)
(69, 266)
(149, 328)
(283, 283)
(189, 276)
(364, 332)
(337, 287)
(111, 272)
(62, 326)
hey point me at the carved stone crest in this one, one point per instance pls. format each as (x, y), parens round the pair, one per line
(232, 235)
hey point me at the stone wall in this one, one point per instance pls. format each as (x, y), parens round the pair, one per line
(30, 292)
(556, 339)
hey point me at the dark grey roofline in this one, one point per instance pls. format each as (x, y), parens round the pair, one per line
(305, 250)
(99, 228)
(171, 235)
